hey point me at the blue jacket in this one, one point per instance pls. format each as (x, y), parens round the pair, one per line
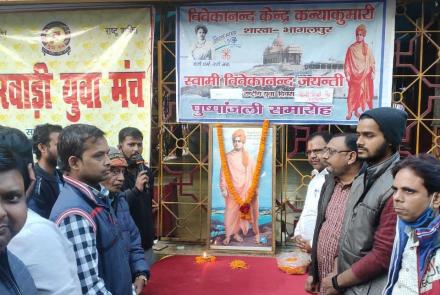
(130, 235)
(113, 265)
(15, 279)
(45, 192)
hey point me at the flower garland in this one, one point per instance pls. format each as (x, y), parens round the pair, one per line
(244, 204)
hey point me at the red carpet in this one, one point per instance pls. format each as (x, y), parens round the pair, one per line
(179, 275)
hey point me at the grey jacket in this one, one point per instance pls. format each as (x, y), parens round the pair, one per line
(369, 193)
(326, 194)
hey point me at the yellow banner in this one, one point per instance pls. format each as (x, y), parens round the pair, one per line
(81, 66)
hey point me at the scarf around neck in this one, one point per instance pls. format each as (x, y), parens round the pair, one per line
(426, 229)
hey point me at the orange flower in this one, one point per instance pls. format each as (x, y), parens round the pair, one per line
(255, 178)
(238, 264)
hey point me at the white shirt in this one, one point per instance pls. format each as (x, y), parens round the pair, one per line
(307, 221)
(48, 256)
(407, 282)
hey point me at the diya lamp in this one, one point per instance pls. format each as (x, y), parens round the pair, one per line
(205, 258)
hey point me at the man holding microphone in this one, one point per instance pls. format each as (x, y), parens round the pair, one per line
(138, 187)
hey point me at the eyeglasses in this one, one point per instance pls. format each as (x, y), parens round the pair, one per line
(236, 140)
(331, 151)
(316, 152)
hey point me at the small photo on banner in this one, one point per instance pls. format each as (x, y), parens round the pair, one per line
(292, 63)
(79, 66)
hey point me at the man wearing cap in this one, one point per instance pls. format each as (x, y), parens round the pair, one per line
(130, 233)
(369, 222)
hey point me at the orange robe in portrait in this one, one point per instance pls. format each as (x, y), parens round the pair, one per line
(242, 180)
(360, 67)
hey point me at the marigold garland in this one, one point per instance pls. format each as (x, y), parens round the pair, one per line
(244, 204)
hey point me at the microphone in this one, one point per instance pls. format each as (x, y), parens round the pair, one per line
(139, 163)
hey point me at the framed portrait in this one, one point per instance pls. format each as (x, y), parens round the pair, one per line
(240, 220)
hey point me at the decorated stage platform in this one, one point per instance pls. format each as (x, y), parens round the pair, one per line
(182, 275)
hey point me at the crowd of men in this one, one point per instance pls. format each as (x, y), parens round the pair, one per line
(370, 220)
(80, 220)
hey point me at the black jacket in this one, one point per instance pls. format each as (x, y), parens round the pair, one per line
(45, 192)
(140, 204)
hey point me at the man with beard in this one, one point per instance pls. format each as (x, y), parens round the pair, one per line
(369, 222)
(138, 187)
(305, 227)
(340, 157)
(49, 179)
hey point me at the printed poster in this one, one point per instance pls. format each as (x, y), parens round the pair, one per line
(80, 66)
(228, 230)
(291, 63)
